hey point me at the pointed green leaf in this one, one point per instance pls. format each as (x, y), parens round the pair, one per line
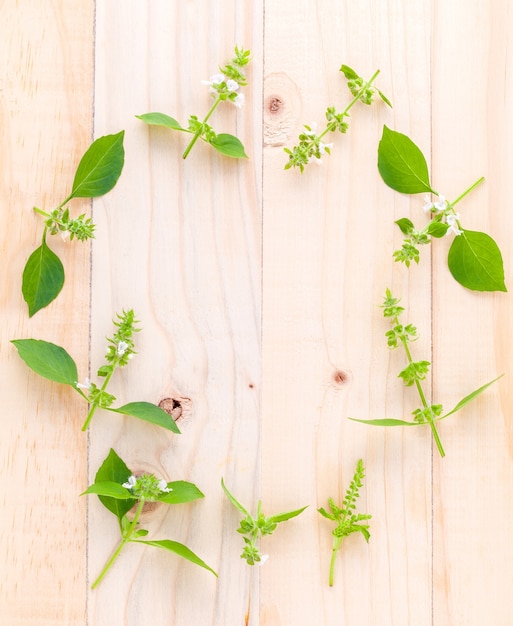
(177, 548)
(229, 145)
(149, 413)
(475, 261)
(470, 397)
(48, 360)
(114, 469)
(43, 278)
(109, 488)
(437, 229)
(401, 163)
(386, 422)
(181, 491)
(348, 72)
(235, 503)
(160, 119)
(384, 98)
(100, 167)
(283, 517)
(405, 225)
(362, 529)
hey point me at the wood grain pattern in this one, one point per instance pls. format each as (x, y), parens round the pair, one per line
(45, 121)
(258, 291)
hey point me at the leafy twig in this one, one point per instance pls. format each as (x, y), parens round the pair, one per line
(311, 147)
(119, 491)
(348, 521)
(54, 363)
(224, 87)
(254, 527)
(413, 374)
(474, 259)
(97, 173)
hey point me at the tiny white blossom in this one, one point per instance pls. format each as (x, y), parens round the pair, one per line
(428, 203)
(441, 205)
(215, 79)
(451, 220)
(232, 85)
(313, 129)
(85, 385)
(323, 146)
(238, 101)
(163, 486)
(130, 484)
(121, 348)
(263, 559)
(64, 235)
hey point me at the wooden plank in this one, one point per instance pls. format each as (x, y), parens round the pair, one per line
(45, 122)
(179, 241)
(328, 239)
(472, 97)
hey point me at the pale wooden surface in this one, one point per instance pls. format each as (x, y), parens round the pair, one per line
(255, 287)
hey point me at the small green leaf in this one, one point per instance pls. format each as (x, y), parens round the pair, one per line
(160, 119)
(437, 229)
(177, 548)
(348, 72)
(43, 278)
(385, 422)
(109, 488)
(235, 503)
(475, 261)
(229, 145)
(48, 360)
(181, 491)
(401, 163)
(470, 397)
(283, 517)
(100, 167)
(405, 225)
(361, 529)
(384, 98)
(149, 413)
(114, 469)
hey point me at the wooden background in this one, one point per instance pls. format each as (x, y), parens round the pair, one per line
(258, 290)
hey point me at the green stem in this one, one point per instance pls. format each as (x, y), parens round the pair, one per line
(352, 103)
(198, 133)
(95, 406)
(124, 541)
(465, 193)
(336, 545)
(431, 423)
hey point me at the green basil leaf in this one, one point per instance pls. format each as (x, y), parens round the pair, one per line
(177, 548)
(160, 119)
(43, 278)
(48, 360)
(232, 499)
(149, 413)
(405, 225)
(283, 517)
(386, 422)
(348, 72)
(229, 145)
(109, 488)
(181, 492)
(114, 469)
(475, 261)
(401, 163)
(470, 397)
(437, 229)
(384, 98)
(100, 167)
